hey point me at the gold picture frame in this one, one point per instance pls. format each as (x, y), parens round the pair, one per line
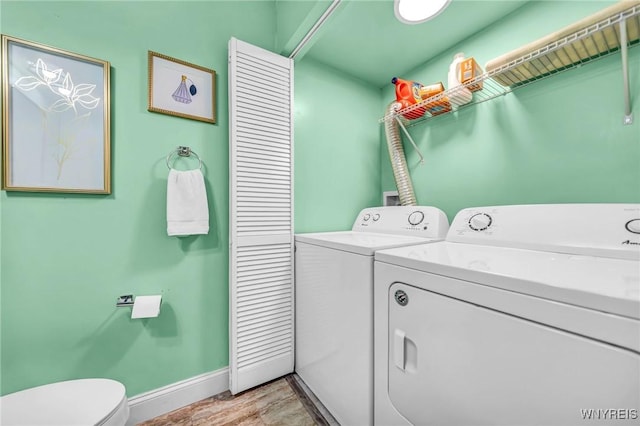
(56, 120)
(181, 89)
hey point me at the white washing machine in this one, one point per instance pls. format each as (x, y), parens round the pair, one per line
(334, 303)
(525, 315)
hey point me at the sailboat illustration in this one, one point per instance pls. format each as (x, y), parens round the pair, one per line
(182, 93)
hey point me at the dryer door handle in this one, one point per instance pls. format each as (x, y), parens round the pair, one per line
(398, 348)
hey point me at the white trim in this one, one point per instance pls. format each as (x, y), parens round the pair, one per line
(325, 16)
(176, 395)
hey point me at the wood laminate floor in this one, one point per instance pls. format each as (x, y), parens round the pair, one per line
(285, 401)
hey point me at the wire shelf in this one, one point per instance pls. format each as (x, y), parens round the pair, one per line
(585, 45)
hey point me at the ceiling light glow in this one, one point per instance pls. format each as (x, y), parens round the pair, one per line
(418, 11)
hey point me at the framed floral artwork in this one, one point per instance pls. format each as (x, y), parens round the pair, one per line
(182, 89)
(55, 120)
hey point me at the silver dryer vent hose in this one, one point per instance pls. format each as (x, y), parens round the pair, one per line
(398, 160)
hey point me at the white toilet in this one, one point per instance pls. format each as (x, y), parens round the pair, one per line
(75, 402)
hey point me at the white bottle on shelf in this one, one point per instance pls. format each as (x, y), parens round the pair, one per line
(458, 93)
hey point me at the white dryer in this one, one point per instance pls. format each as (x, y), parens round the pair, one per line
(525, 315)
(334, 303)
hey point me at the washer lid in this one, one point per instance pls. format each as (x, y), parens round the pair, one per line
(74, 402)
(363, 243)
(599, 283)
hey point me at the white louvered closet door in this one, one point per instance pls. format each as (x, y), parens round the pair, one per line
(261, 216)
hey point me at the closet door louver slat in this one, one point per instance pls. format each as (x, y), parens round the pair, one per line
(261, 216)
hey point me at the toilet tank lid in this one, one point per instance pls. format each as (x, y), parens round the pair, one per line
(73, 402)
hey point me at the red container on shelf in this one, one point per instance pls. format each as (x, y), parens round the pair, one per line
(407, 94)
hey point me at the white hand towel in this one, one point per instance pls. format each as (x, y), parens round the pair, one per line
(187, 207)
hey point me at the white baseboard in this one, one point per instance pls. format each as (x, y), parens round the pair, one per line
(176, 395)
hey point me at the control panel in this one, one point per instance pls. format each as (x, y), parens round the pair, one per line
(416, 218)
(633, 226)
(610, 230)
(424, 221)
(480, 221)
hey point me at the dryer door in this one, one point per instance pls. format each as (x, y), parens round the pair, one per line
(455, 363)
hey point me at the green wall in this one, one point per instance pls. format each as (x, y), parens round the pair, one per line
(66, 258)
(337, 159)
(558, 140)
(294, 19)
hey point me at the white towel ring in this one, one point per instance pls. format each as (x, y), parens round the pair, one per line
(182, 151)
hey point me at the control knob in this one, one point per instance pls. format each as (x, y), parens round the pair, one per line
(366, 217)
(480, 221)
(633, 226)
(376, 217)
(416, 218)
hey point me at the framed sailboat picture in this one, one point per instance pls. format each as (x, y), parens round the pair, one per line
(180, 88)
